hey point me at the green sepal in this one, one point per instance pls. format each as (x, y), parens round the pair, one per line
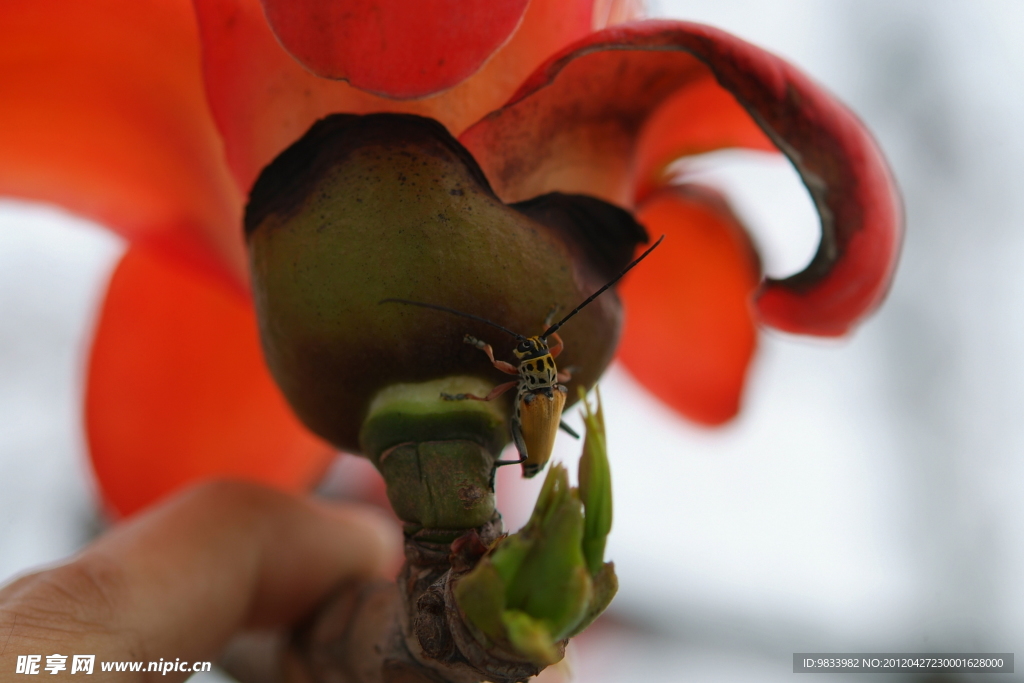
(481, 597)
(552, 494)
(530, 637)
(606, 585)
(595, 486)
(509, 555)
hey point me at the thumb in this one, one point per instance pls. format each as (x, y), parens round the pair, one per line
(178, 581)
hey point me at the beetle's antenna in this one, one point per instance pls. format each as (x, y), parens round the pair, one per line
(554, 328)
(454, 312)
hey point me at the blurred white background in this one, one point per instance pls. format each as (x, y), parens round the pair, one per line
(868, 498)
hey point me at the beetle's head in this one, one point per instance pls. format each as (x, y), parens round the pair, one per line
(531, 348)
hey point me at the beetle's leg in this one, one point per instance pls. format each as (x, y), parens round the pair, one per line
(517, 439)
(507, 368)
(556, 346)
(565, 374)
(567, 429)
(495, 393)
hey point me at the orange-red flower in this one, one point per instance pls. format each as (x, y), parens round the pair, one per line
(155, 118)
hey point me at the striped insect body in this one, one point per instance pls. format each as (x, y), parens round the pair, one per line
(540, 394)
(539, 402)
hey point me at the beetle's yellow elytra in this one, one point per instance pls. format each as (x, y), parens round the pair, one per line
(538, 414)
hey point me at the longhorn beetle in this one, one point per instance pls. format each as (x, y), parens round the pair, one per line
(539, 395)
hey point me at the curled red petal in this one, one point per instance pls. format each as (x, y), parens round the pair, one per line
(396, 48)
(263, 100)
(574, 127)
(102, 110)
(690, 333)
(178, 390)
(699, 118)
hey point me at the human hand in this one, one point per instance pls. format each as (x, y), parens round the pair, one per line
(179, 580)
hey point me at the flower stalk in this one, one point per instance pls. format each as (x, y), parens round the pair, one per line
(486, 606)
(366, 210)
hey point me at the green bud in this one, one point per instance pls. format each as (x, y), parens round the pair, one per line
(549, 584)
(537, 582)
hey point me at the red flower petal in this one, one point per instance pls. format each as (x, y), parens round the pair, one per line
(263, 100)
(395, 48)
(178, 390)
(102, 110)
(574, 125)
(699, 118)
(611, 12)
(689, 333)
